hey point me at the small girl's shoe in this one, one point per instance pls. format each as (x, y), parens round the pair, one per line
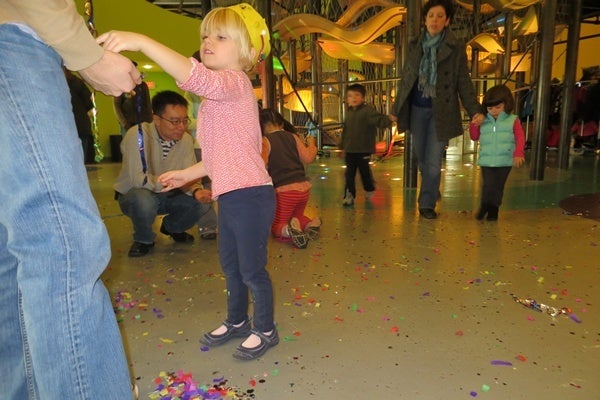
(313, 229)
(299, 238)
(232, 332)
(266, 342)
(482, 212)
(492, 213)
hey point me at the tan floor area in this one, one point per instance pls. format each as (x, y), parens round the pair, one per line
(384, 305)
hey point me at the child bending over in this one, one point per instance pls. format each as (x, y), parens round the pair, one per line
(285, 155)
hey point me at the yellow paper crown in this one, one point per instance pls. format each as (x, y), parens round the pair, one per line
(257, 28)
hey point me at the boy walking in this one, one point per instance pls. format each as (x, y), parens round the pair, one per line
(358, 140)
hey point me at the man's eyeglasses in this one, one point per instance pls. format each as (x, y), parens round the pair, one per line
(176, 122)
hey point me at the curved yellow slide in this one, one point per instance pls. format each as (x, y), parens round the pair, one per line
(297, 25)
(356, 9)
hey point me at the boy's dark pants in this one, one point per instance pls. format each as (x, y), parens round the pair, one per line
(358, 161)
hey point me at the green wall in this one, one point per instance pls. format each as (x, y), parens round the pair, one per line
(176, 31)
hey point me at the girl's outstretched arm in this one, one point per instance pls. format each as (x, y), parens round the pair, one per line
(173, 63)
(177, 178)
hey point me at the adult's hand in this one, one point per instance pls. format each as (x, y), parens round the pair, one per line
(113, 74)
(478, 119)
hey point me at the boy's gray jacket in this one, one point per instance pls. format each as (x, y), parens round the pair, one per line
(360, 128)
(453, 80)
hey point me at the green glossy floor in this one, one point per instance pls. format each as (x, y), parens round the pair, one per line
(385, 305)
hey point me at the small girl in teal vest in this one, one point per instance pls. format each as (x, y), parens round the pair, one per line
(501, 145)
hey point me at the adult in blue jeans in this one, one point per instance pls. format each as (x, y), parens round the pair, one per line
(149, 150)
(434, 77)
(59, 337)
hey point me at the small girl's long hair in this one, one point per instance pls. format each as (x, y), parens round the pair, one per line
(268, 115)
(499, 94)
(229, 23)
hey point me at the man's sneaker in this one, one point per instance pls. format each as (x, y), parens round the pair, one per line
(369, 195)
(135, 391)
(207, 233)
(139, 249)
(348, 199)
(180, 237)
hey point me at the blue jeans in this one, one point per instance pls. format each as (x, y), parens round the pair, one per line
(245, 218)
(429, 151)
(183, 211)
(59, 338)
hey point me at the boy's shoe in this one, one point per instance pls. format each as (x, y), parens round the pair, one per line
(428, 213)
(348, 199)
(299, 238)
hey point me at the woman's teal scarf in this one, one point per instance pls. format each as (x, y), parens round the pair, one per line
(428, 66)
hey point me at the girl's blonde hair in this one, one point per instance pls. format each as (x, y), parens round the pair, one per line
(229, 23)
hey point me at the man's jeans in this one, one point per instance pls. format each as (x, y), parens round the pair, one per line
(59, 338)
(429, 151)
(142, 206)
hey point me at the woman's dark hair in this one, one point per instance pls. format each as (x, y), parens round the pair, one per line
(161, 100)
(447, 4)
(499, 94)
(268, 115)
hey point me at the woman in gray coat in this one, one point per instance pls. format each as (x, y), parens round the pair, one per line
(434, 76)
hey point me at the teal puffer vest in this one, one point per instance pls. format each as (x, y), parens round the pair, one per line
(497, 141)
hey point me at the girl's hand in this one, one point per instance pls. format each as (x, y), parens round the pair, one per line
(118, 41)
(173, 180)
(518, 161)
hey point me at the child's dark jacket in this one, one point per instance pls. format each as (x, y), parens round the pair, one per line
(360, 128)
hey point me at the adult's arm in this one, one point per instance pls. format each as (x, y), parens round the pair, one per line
(466, 90)
(58, 24)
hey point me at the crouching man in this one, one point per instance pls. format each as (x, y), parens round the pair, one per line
(149, 150)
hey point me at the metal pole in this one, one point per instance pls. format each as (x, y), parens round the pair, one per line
(508, 38)
(268, 79)
(569, 83)
(542, 105)
(316, 78)
(412, 30)
(206, 7)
